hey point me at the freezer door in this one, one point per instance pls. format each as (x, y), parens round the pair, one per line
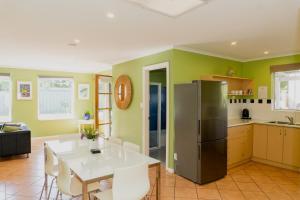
(186, 128)
(212, 110)
(213, 161)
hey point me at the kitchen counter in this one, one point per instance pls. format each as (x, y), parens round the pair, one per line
(240, 122)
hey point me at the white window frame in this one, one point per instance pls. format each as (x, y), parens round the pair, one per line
(43, 117)
(9, 118)
(275, 97)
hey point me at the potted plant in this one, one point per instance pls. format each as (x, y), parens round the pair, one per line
(92, 135)
(87, 115)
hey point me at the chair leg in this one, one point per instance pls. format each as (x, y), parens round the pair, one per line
(57, 194)
(44, 187)
(48, 197)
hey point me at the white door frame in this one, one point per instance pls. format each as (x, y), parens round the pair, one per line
(145, 106)
(158, 114)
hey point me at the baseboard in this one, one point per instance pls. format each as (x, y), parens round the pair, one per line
(238, 163)
(275, 164)
(170, 170)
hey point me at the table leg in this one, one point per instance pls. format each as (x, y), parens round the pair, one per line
(45, 160)
(158, 182)
(85, 195)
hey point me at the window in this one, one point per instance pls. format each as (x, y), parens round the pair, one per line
(287, 95)
(5, 98)
(55, 98)
(103, 104)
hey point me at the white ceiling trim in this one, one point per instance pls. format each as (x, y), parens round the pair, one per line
(207, 53)
(56, 69)
(150, 53)
(231, 58)
(270, 57)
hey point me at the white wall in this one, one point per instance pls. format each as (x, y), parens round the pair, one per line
(259, 111)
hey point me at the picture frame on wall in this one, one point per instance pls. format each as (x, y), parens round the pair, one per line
(84, 91)
(24, 90)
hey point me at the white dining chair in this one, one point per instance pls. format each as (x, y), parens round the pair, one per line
(115, 140)
(68, 184)
(131, 147)
(130, 183)
(51, 169)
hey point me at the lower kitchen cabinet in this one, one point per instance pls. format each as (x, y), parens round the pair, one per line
(260, 141)
(291, 147)
(275, 143)
(239, 144)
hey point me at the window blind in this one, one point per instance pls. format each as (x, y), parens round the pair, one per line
(286, 67)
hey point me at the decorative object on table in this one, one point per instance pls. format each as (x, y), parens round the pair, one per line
(123, 92)
(84, 91)
(87, 115)
(92, 135)
(24, 90)
(230, 72)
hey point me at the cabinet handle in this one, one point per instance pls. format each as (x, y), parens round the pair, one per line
(280, 131)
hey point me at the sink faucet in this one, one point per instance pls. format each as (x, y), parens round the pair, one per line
(291, 119)
(2, 127)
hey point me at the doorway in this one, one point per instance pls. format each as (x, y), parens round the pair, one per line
(155, 104)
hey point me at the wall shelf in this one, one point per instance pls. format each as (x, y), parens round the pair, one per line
(234, 84)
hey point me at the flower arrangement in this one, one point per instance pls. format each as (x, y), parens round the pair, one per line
(87, 115)
(90, 133)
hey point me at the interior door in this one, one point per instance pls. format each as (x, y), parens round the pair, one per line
(103, 104)
(154, 116)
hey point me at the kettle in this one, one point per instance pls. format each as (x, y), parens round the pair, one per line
(245, 114)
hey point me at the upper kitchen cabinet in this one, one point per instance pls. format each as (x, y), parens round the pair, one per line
(237, 86)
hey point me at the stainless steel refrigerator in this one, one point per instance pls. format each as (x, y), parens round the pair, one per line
(201, 130)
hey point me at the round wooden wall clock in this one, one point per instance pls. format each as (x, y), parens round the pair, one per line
(123, 92)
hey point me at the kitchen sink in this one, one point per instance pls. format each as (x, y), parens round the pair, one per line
(281, 122)
(278, 122)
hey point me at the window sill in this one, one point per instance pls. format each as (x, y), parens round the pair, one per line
(54, 117)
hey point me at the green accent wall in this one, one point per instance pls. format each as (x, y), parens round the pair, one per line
(26, 110)
(127, 124)
(259, 71)
(158, 76)
(184, 67)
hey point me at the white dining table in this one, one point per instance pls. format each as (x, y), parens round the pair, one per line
(90, 168)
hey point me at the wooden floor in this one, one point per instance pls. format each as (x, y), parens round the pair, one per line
(22, 178)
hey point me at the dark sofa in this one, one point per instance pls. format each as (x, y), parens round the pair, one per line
(15, 139)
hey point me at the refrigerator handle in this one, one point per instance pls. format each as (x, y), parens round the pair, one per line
(199, 152)
(198, 132)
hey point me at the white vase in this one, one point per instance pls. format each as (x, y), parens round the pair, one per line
(93, 144)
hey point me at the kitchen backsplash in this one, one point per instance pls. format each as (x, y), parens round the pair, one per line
(260, 109)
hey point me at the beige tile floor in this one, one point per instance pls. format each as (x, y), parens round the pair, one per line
(22, 179)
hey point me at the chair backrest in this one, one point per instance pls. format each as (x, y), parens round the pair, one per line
(131, 183)
(64, 177)
(50, 162)
(131, 147)
(115, 140)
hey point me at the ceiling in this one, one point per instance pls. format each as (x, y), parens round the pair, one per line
(35, 34)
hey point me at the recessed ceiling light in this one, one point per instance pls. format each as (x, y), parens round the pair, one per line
(110, 15)
(233, 43)
(266, 52)
(171, 8)
(74, 42)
